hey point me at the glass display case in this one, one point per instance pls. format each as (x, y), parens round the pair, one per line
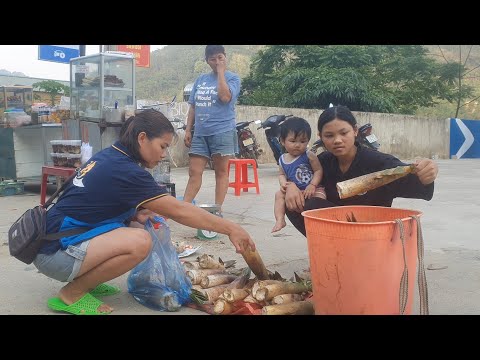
(100, 83)
(15, 98)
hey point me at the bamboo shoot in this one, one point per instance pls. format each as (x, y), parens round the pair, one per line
(262, 283)
(232, 295)
(216, 279)
(270, 291)
(213, 293)
(294, 308)
(207, 262)
(364, 183)
(222, 307)
(286, 298)
(255, 262)
(196, 276)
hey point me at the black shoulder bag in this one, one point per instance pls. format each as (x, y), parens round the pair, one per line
(27, 235)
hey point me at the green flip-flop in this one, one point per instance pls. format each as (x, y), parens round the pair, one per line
(105, 290)
(86, 305)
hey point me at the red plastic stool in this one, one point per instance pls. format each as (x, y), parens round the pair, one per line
(52, 170)
(241, 175)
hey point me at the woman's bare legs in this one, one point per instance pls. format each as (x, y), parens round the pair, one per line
(195, 173)
(221, 177)
(108, 256)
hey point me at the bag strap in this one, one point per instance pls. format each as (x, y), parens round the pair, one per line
(59, 235)
(64, 185)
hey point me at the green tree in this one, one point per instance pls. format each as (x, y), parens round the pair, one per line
(53, 88)
(379, 78)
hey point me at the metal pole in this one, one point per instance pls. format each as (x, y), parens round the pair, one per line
(82, 50)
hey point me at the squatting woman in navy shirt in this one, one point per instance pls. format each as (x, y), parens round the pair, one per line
(109, 195)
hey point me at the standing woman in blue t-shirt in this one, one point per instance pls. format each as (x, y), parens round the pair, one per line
(112, 195)
(212, 110)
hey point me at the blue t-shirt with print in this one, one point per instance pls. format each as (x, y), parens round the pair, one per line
(106, 192)
(298, 171)
(212, 116)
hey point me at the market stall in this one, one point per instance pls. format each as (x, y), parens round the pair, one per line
(24, 135)
(102, 88)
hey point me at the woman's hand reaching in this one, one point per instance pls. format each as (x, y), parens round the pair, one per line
(143, 215)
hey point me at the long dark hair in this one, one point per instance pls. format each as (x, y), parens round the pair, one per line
(339, 112)
(152, 122)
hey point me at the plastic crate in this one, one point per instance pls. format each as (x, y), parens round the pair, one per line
(11, 188)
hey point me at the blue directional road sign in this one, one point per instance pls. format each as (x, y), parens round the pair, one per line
(464, 138)
(58, 53)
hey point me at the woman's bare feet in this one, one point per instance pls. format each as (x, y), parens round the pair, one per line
(279, 225)
(69, 297)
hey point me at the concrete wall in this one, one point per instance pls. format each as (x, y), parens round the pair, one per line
(403, 136)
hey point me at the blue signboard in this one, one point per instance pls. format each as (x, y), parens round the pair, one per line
(58, 53)
(464, 138)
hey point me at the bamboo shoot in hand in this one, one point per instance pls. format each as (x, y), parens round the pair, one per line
(255, 262)
(364, 183)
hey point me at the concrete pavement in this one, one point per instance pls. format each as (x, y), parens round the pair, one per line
(449, 222)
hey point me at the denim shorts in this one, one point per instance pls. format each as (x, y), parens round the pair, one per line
(225, 144)
(63, 265)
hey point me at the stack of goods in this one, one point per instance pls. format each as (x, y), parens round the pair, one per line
(113, 81)
(218, 290)
(66, 153)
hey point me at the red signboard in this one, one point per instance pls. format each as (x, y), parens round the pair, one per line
(141, 53)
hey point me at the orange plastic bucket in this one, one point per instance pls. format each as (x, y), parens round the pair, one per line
(356, 267)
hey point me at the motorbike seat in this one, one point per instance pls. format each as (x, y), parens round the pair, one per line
(241, 125)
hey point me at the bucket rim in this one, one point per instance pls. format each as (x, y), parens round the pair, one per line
(305, 214)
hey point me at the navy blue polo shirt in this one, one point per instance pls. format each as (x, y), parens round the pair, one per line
(110, 185)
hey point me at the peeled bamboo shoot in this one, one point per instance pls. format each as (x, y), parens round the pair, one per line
(216, 279)
(207, 262)
(222, 307)
(232, 295)
(196, 276)
(364, 183)
(270, 291)
(286, 298)
(213, 293)
(294, 308)
(262, 283)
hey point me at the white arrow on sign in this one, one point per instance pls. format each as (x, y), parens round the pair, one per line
(468, 138)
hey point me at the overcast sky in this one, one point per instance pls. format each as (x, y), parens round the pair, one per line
(24, 58)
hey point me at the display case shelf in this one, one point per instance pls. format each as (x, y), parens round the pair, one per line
(88, 74)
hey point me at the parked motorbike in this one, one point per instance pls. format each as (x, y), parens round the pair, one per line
(365, 137)
(247, 143)
(272, 132)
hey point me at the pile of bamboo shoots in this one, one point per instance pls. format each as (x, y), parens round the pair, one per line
(214, 284)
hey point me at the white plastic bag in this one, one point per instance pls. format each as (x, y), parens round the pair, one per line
(86, 152)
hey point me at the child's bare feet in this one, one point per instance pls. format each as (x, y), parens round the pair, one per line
(279, 225)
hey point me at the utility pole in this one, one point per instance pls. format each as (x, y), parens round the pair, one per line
(82, 50)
